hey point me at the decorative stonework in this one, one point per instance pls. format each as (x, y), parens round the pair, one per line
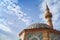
(54, 36)
(35, 36)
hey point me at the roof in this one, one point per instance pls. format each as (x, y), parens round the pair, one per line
(38, 25)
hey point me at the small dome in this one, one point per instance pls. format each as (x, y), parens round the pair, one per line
(38, 25)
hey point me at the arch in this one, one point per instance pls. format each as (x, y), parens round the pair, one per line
(34, 37)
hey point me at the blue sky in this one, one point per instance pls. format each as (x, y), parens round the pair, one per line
(16, 15)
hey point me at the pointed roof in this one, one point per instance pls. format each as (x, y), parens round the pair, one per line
(47, 8)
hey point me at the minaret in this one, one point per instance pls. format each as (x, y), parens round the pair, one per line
(48, 16)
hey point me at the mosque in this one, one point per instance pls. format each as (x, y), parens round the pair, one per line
(41, 31)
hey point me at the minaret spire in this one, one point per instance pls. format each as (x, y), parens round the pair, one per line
(48, 16)
(47, 7)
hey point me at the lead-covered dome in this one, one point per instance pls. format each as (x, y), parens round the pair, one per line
(38, 25)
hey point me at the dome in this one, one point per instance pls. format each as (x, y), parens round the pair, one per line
(38, 25)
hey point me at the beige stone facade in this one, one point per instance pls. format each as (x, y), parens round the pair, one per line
(45, 31)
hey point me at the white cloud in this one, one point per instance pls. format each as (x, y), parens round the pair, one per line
(1, 20)
(54, 6)
(6, 37)
(15, 9)
(26, 20)
(8, 6)
(21, 15)
(5, 28)
(9, 10)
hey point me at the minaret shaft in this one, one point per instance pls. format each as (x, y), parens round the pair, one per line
(49, 22)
